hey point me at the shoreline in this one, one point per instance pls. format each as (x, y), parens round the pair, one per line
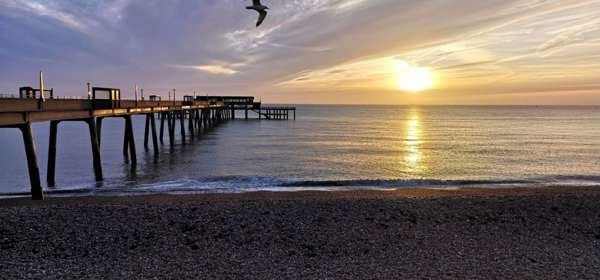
(469, 233)
(404, 192)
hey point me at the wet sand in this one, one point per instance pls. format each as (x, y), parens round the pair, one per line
(537, 233)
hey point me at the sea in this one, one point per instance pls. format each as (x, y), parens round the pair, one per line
(328, 148)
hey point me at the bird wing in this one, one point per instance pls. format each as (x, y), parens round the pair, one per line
(256, 3)
(261, 17)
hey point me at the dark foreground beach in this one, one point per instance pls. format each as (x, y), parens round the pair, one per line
(545, 233)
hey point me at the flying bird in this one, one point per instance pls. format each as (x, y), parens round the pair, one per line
(261, 9)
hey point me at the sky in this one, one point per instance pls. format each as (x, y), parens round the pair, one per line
(531, 52)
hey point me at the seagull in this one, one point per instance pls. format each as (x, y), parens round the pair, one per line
(261, 9)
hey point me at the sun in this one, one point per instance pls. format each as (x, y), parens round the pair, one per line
(414, 79)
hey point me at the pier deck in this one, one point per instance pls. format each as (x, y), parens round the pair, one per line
(16, 111)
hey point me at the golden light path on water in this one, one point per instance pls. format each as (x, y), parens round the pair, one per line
(412, 143)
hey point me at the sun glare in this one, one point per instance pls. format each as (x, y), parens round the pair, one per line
(414, 79)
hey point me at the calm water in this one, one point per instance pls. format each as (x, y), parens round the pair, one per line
(332, 147)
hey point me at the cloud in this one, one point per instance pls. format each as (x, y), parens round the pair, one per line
(49, 10)
(212, 69)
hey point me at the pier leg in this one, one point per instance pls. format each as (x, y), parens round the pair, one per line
(207, 119)
(246, 112)
(51, 171)
(232, 113)
(171, 122)
(131, 139)
(162, 126)
(37, 193)
(191, 122)
(99, 129)
(125, 141)
(95, 149)
(294, 114)
(154, 138)
(182, 125)
(146, 131)
(199, 120)
(204, 119)
(207, 114)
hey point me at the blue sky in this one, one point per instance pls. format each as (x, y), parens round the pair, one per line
(309, 51)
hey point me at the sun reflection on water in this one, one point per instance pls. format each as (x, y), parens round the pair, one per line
(412, 142)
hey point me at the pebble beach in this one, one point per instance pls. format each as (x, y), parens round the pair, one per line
(503, 233)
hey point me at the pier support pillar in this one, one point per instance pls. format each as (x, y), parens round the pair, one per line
(191, 122)
(154, 138)
(95, 148)
(125, 141)
(99, 129)
(171, 124)
(37, 193)
(51, 170)
(162, 126)
(201, 120)
(199, 116)
(246, 112)
(147, 131)
(208, 118)
(182, 125)
(129, 141)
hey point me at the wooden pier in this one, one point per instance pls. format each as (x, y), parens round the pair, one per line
(275, 112)
(200, 113)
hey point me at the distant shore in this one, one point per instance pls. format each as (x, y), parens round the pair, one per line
(500, 233)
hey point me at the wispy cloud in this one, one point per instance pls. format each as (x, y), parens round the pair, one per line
(212, 69)
(45, 9)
